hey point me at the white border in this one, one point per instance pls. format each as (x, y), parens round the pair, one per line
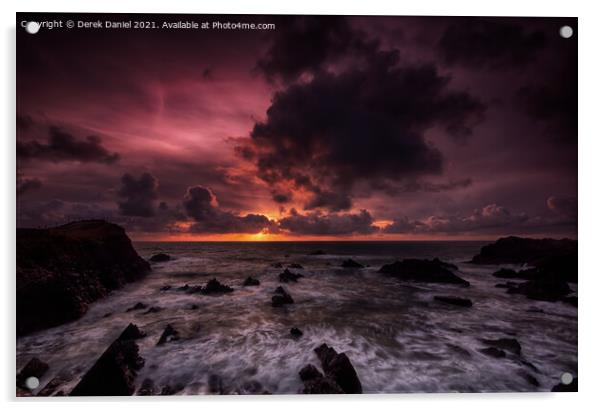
(590, 197)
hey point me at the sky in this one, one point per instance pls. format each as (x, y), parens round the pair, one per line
(325, 128)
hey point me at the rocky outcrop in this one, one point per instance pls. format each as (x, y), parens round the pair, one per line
(169, 335)
(556, 258)
(281, 297)
(160, 257)
(114, 373)
(493, 352)
(350, 263)
(452, 300)
(61, 270)
(288, 276)
(423, 270)
(542, 289)
(251, 281)
(339, 374)
(296, 332)
(214, 287)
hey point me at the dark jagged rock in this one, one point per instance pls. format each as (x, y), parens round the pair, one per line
(251, 281)
(309, 372)
(296, 332)
(281, 297)
(115, 371)
(153, 309)
(288, 276)
(541, 289)
(322, 385)
(532, 380)
(160, 257)
(214, 287)
(493, 352)
(61, 270)
(338, 367)
(169, 335)
(506, 273)
(131, 332)
(507, 344)
(34, 368)
(554, 258)
(147, 388)
(295, 266)
(166, 287)
(423, 270)
(317, 252)
(566, 388)
(350, 263)
(184, 288)
(446, 265)
(137, 306)
(451, 300)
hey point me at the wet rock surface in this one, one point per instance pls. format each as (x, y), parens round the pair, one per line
(251, 281)
(214, 287)
(288, 276)
(114, 373)
(350, 263)
(61, 270)
(423, 270)
(169, 334)
(281, 297)
(160, 257)
(339, 374)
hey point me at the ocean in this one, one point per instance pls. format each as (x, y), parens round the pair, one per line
(396, 336)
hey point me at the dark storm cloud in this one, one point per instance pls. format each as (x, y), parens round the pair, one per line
(62, 146)
(489, 43)
(564, 206)
(304, 44)
(28, 184)
(361, 124)
(139, 195)
(201, 205)
(318, 223)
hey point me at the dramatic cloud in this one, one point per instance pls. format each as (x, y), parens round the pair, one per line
(487, 218)
(489, 43)
(27, 184)
(62, 146)
(326, 134)
(139, 195)
(318, 223)
(565, 206)
(201, 205)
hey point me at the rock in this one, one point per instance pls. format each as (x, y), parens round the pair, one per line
(147, 388)
(541, 289)
(571, 300)
(493, 352)
(281, 297)
(288, 276)
(194, 306)
(137, 306)
(295, 332)
(153, 309)
(295, 266)
(451, 300)
(309, 372)
(322, 385)
(350, 263)
(61, 270)
(317, 252)
(184, 288)
(561, 387)
(507, 344)
(422, 270)
(115, 371)
(160, 257)
(251, 281)
(338, 367)
(34, 368)
(169, 335)
(214, 287)
(532, 380)
(277, 265)
(166, 287)
(556, 258)
(506, 274)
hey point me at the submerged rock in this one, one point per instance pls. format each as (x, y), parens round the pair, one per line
(288, 276)
(541, 289)
(153, 309)
(34, 368)
(277, 265)
(61, 270)
(508, 344)
(169, 335)
(137, 306)
(493, 352)
(423, 270)
(114, 372)
(251, 281)
(295, 266)
(295, 332)
(281, 297)
(214, 287)
(160, 257)
(350, 263)
(452, 300)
